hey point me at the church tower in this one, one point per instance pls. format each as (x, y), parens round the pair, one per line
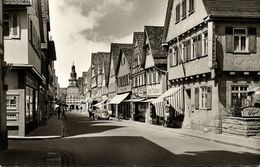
(73, 77)
(73, 96)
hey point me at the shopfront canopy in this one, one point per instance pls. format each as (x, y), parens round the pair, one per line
(100, 104)
(174, 96)
(118, 98)
(135, 100)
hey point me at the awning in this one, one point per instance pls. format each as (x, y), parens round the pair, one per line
(148, 100)
(118, 98)
(174, 96)
(100, 104)
(134, 100)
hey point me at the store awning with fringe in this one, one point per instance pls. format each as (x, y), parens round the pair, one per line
(118, 98)
(174, 96)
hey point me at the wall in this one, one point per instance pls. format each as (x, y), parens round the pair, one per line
(20, 56)
(124, 69)
(201, 119)
(189, 22)
(237, 61)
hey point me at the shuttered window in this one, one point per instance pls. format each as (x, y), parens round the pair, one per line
(197, 98)
(229, 40)
(209, 98)
(252, 39)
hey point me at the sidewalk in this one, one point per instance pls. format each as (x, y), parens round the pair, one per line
(240, 141)
(19, 154)
(52, 129)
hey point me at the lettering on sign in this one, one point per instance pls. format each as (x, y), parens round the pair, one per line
(246, 62)
(250, 112)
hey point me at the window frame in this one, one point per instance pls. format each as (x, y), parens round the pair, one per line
(191, 7)
(241, 35)
(238, 91)
(178, 13)
(183, 9)
(205, 40)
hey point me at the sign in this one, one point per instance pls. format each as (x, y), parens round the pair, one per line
(140, 93)
(154, 90)
(212, 45)
(250, 112)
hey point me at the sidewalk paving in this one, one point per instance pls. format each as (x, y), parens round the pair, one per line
(52, 129)
(23, 156)
(240, 141)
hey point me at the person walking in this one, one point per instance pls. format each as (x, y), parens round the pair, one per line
(59, 112)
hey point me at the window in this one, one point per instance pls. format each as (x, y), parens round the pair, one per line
(11, 25)
(29, 104)
(183, 9)
(191, 6)
(240, 40)
(194, 49)
(186, 51)
(205, 43)
(178, 13)
(239, 95)
(154, 75)
(203, 97)
(6, 26)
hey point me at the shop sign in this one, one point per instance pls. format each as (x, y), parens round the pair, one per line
(250, 112)
(154, 90)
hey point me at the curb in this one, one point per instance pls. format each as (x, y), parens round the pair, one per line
(33, 137)
(190, 135)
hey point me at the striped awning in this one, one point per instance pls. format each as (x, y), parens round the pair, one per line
(174, 96)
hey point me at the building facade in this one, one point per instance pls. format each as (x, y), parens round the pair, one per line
(23, 36)
(138, 79)
(3, 129)
(113, 63)
(73, 96)
(155, 65)
(213, 57)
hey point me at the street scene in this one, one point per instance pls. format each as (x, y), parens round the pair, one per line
(130, 83)
(112, 143)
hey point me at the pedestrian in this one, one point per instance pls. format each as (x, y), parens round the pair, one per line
(63, 116)
(59, 112)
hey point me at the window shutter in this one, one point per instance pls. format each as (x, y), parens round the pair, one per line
(199, 47)
(15, 25)
(189, 51)
(196, 98)
(179, 55)
(209, 98)
(229, 40)
(252, 39)
(171, 57)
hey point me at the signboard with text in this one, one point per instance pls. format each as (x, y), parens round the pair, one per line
(250, 112)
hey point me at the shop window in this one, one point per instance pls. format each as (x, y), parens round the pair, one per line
(29, 104)
(239, 95)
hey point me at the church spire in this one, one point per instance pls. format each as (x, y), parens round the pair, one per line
(73, 76)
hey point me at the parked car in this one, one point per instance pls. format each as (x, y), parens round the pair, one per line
(102, 114)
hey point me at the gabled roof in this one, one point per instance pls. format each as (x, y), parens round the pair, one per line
(233, 8)
(154, 35)
(115, 50)
(128, 54)
(104, 63)
(16, 2)
(139, 38)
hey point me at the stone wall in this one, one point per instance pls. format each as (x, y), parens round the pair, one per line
(241, 126)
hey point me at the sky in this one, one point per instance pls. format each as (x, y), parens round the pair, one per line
(82, 27)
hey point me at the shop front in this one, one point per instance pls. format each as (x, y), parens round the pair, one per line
(23, 113)
(120, 108)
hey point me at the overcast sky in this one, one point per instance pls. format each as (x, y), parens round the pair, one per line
(81, 27)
